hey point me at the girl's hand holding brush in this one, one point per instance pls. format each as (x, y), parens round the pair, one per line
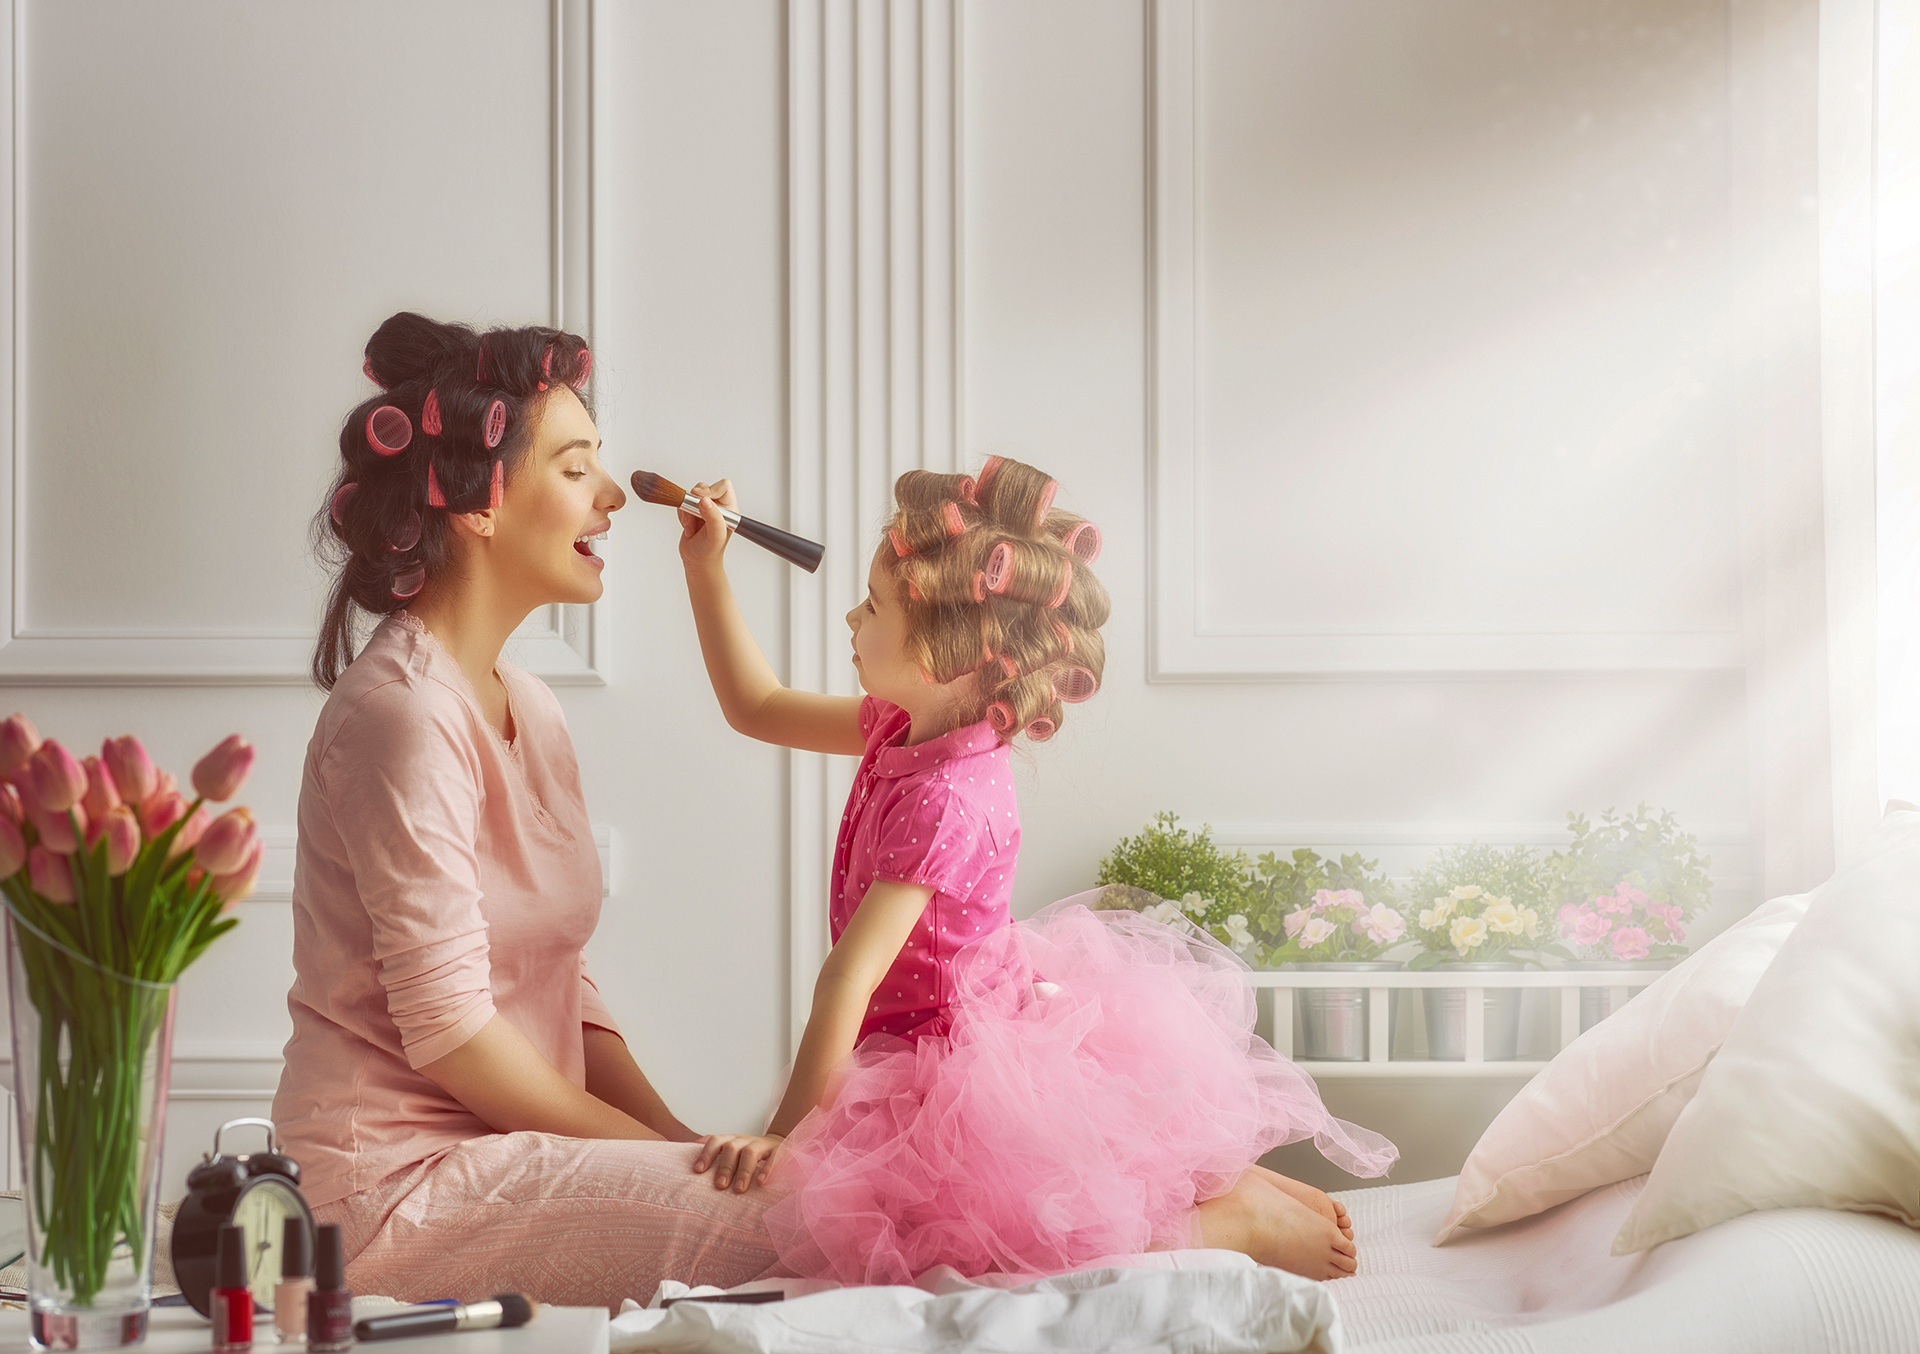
(653, 488)
(704, 535)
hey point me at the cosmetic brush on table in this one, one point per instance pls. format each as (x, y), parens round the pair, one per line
(793, 549)
(499, 1311)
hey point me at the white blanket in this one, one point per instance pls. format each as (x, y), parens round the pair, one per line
(1796, 1281)
(1180, 1302)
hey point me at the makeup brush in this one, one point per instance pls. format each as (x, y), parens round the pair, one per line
(503, 1309)
(793, 549)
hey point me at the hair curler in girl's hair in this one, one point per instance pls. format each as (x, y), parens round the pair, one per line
(1066, 582)
(389, 431)
(338, 503)
(999, 570)
(1042, 729)
(430, 414)
(1001, 716)
(407, 537)
(900, 547)
(1074, 685)
(1047, 495)
(1084, 541)
(408, 582)
(494, 426)
(985, 477)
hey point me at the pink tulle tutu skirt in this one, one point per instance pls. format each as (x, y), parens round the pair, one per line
(1100, 1078)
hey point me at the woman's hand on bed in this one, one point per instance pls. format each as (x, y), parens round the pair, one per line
(739, 1160)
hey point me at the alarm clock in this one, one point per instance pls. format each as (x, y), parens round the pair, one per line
(257, 1192)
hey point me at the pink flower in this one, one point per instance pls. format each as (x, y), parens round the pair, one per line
(161, 812)
(1590, 928)
(122, 831)
(232, 887)
(1635, 898)
(1630, 942)
(51, 875)
(57, 829)
(1295, 920)
(131, 768)
(1614, 903)
(1380, 924)
(59, 781)
(220, 774)
(1324, 899)
(1316, 931)
(102, 794)
(13, 849)
(190, 832)
(18, 740)
(225, 845)
(1570, 915)
(10, 806)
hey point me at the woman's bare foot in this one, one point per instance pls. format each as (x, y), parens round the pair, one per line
(1319, 1201)
(1259, 1220)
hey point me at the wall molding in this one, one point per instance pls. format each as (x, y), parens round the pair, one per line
(874, 350)
(1181, 648)
(558, 643)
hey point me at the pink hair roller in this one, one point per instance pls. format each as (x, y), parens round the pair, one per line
(546, 367)
(408, 582)
(1000, 715)
(1084, 542)
(979, 585)
(1008, 666)
(985, 477)
(1066, 635)
(430, 414)
(956, 524)
(435, 499)
(1046, 503)
(1074, 685)
(389, 431)
(366, 366)
(1066, 582)
(494, 426)
(338, 503)
(968, 490)
(579, 381)
(913, 589)
(999, 568)
(1042, 729)
(900, 547)
(480, 363)
(408, 537)
(496, 490)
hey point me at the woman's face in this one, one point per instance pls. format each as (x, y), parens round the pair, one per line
(556, 505)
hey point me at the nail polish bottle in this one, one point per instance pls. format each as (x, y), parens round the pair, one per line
(330, 1305)
(296, 1282)
(230, 1303)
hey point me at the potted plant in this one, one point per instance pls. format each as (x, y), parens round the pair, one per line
(1478, 908)
(1173, 875)
(1625, 889)
(1338, 916)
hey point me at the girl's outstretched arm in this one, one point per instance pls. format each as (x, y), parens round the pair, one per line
(861, 957)
(751, 695)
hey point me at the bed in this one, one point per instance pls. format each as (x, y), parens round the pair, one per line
(1795, 1281)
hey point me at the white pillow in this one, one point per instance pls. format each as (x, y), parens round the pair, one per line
(1599, 1111)
(1814, 1099)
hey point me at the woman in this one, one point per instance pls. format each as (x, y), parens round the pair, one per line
(455, 1090)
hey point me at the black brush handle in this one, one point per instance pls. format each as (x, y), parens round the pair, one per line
(789, 547)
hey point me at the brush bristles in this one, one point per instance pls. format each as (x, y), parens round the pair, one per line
(658, 489)
(516, 1310)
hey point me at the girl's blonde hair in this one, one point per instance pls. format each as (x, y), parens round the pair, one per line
(995, 582)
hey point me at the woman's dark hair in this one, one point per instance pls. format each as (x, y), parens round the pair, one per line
(383, 529)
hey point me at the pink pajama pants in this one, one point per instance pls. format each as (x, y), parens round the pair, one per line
(581, 1222)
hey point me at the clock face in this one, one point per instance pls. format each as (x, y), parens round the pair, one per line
(263, 1208)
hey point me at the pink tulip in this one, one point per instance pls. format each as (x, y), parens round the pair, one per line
(225, 845)
(163, 784)
(161, 812)
(220, 774)
(51, 875)
(10, 806)
(13, 849)
(102, 794)
(18, 740)
(57, 829)
(122, 831)
(131, 768)
(190, 832)
(231, 888)
(1630, 942)
(59, 781)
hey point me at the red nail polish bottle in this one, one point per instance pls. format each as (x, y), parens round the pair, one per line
(230, 1303)
(330, 1305)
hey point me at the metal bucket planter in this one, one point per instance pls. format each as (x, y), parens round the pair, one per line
(1597, 1003)
(1446, 1009)
(1333, 1021)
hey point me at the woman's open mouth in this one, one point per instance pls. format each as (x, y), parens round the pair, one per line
(583, 546)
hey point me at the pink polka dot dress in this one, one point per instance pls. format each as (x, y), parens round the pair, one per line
(1025, 1097)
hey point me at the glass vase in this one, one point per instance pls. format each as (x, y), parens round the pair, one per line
(91, 1057)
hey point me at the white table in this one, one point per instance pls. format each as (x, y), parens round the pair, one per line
(557, 1330)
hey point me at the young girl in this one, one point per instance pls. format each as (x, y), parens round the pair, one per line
(1023, 1098)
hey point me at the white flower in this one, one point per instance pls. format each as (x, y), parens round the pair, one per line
(1466, 892)
(1195, 904)
(1316, 931)
(1442, 909)
(1238, 936)
(1504, 917)
(1167, 914)
(1467, 933)
(1380, 924)
(1529, 922)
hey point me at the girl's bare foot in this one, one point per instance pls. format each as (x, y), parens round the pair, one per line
(1319, 1201)
(1259, 1220)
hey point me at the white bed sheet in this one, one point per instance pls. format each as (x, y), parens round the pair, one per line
(1797, 1281)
